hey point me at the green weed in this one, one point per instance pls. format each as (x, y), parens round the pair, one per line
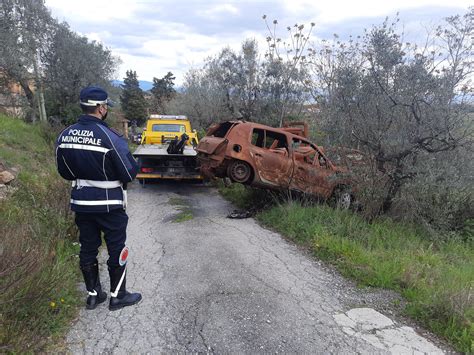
(246, 197)
(185, 213)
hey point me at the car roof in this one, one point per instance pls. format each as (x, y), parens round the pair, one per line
(262, 126)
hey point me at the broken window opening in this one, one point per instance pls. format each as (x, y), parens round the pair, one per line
(258, 137)
(222, 129)
(308, 153)
(269, 140)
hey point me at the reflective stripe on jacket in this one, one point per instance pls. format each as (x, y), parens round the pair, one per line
(90, 151)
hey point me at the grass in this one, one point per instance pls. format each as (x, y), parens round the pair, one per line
(39, 270)
(245, 197)
(241, 197)
(436, 277)
(185, 214)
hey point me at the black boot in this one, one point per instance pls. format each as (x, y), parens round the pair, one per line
(93, 286)
(119, 296)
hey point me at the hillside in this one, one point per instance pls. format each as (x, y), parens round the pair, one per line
(39, 267)
(144, 85)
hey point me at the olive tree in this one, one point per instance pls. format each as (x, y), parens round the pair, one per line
(24, 35)
(244, 86)
(201, 100)
(43, 55)
(72, 63)
(226, 87)
(398, 101)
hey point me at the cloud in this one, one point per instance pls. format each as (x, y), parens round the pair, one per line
(413, 22)
(154, 37)
(93, 11)
(332, 12)
(217, 11)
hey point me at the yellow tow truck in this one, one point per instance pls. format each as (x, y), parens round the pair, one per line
(167, 149)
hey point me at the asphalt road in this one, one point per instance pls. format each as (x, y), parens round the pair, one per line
(218, 285)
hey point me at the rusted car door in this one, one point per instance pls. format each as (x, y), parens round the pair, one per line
(270, 154)
(312, 173)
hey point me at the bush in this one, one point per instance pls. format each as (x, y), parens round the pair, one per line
(443, 196)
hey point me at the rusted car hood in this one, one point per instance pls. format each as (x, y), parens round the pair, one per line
(209, 145)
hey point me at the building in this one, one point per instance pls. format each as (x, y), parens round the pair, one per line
(13, 99)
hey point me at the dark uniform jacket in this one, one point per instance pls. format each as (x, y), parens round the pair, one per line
(99, 162)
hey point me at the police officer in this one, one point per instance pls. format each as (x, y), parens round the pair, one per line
(98, 162)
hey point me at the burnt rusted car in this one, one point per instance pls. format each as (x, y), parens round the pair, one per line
(272, 158)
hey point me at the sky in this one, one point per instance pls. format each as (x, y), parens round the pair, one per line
(153, 37)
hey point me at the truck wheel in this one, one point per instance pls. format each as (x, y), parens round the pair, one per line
(342, 198)
(239, 171)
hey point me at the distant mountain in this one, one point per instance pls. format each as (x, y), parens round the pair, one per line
(144, 85)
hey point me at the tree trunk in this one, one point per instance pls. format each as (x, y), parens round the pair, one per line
(42, 108)
(30, 96)
(394, 188)
(39, 90)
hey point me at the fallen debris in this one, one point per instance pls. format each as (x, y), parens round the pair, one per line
(6, 179)
(239, 214)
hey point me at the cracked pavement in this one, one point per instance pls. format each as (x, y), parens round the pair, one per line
(213, 284)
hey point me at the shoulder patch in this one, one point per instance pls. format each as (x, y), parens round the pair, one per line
(118, 133)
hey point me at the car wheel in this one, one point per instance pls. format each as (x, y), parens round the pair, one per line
(239, 171)
(342, 198)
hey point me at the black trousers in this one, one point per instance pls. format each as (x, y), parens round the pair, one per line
(114, 226)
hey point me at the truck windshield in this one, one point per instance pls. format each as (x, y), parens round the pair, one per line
(168, 128)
